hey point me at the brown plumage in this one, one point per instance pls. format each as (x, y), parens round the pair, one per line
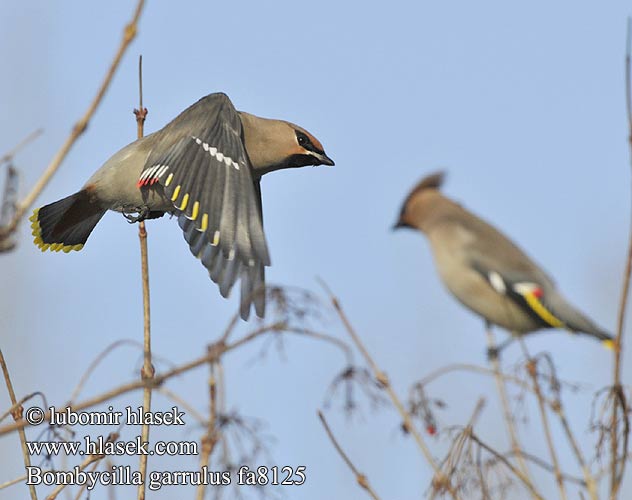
(485, 270)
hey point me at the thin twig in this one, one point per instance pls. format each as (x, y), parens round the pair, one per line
(525, 480)
(618, 396)
(17, 413)
(79, 128)
(209, 440)
(95, 363)
(8, 204)
(362, 480)
(11, 482)
(83, 487)
(589, 479)
(8, 156)
(532, 370)
(15, 406)
(88, 461)
(548, 467)
(440, 481)
(147, 371)
(190, 411)
(504, 400)
(214, 352)
(454, 455)
(466, 367)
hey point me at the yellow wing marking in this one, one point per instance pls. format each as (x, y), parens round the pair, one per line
(195, 210)
(546, 315)
(185, 201)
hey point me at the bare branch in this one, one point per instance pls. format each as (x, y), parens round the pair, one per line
(147, 372)
(618, 395)
(7, 157)
(362, 480)
(17, 412)
(440, 481)
(525, 480)
(129, 34)
(509, 421)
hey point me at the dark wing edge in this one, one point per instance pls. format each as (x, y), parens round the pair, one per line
(525, 293)
(542, 302)
(206, 173)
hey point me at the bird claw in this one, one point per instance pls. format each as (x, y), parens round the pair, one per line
(492, 353)
(143, 213)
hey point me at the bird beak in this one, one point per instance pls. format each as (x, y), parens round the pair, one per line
(324, 159)
(398, 225)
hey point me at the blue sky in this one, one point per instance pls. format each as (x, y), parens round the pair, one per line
(522, 105)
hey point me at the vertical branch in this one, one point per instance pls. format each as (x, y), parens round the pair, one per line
(211, 437)
(16, 413)
(618, 396)
(591, 484)
(532, 370)
(147, 372)
(504, 400)
(8, 206)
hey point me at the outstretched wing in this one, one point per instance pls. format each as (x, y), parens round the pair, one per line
(203, 166)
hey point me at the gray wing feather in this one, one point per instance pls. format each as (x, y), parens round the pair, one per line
(210, 180)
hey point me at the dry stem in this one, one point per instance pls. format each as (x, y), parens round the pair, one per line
(440, 481)
(17, 413)
(129, 33)
(88, 461)
(525, 480)
(147, 371)
(362, 480)
(532, 370)
(214, 352)
(617, 467)
(8, 156)
(211, 437)
(504, 400)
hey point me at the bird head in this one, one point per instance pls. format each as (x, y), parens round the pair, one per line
(418, 204)
(277, 144)
(307, 150)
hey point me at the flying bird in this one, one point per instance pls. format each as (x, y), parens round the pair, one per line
(204, 167)
(486, 271)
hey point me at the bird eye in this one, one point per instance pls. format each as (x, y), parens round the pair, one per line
(302, 139)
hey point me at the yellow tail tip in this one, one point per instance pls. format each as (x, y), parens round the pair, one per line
(608, 344)
(53, 247)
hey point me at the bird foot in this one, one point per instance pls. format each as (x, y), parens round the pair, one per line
(143, 213)
(492, 353)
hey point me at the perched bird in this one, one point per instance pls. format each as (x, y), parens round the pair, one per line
(487, 272)
(204, 167)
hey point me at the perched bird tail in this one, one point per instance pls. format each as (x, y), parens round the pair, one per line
(579, 323)
(66, 224)
(572, 319)
(604, 337)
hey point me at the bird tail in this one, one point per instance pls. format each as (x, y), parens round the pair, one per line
(581, 324)
(575, 321)
(604, 337)
(66, 224)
